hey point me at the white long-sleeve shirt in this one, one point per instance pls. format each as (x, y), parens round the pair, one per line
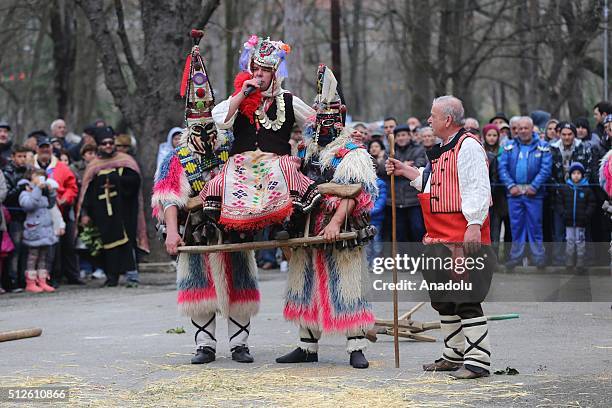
(301, 111)
(474, 186)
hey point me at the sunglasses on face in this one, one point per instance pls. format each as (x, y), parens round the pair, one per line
(107, 143)
(126, 146)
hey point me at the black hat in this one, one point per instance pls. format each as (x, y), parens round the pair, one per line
(401, 128)
(568, 125)
(499, 115)
(5, 125)
(101, 133)
(43, 140)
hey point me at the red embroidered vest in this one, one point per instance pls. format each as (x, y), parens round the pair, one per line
(441, 207)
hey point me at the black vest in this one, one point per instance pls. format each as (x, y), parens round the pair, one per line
(247, 138)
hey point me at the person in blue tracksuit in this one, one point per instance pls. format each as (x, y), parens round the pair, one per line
(377, 217)
(524, 166)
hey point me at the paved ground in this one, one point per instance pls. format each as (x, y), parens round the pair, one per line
(111, 348)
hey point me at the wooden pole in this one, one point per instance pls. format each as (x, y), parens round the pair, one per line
(393, 253)
(20, 334)
(278, 243)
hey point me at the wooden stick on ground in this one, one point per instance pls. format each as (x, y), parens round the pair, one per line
(20, 334)
(408, 314)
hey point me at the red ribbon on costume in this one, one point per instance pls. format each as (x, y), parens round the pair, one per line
(185, 78)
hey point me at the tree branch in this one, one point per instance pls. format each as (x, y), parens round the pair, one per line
(114, 78)
(207, 12)
(139, 74)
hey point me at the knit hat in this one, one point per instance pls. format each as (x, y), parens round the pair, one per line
(102, 133)
(568, 125)
(607, 119)
(576, 166)
(488, 127)
(5, 125)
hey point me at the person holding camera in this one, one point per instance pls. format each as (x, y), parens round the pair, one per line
(37, 199)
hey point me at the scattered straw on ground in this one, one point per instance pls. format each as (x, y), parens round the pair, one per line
(293, 387)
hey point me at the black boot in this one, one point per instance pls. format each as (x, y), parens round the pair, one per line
(358, 360)
(241, 354)
(203, 355)
(298, 356)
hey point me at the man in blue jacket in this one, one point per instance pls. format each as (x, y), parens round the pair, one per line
(525, 165)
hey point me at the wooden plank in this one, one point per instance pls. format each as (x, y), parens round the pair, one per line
(194, 203)
(340, 190)
(409, 313)
(20, 334)
(245, 246)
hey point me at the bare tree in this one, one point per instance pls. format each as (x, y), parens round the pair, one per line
(146, 91)
(294, 36)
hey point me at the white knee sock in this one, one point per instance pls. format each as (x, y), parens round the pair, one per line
(477, 346)
(205, 334)
(454, 341)
(238, 331)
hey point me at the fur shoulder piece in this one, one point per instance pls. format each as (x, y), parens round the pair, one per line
(171, 186)
(357, 166)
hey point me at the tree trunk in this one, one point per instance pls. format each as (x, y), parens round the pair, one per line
(335, 40)
(63, 30)
(293, 25)
(230, 58)
(420, 97)
(152, 105)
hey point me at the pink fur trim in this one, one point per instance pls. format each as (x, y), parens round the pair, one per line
(196, 295)
(171, 183)
(330, 322)
(301, 313)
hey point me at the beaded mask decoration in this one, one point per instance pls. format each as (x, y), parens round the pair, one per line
(330, 109)
(199, 100)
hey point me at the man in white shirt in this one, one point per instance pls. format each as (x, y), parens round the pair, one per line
(455, 200)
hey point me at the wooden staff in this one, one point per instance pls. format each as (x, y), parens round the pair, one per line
(20, 334)
(391, 139)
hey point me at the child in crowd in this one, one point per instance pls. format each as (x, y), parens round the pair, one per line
(39, 235)
(579, 203)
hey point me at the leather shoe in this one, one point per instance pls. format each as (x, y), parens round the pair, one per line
(464, 373)
(441, 365)
(241, 354)
(203, 355)
(358, 360)
(298, 356)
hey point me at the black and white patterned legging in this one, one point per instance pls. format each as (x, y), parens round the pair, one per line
(38, 258)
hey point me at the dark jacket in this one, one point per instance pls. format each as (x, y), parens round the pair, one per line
(12, 175)
(581, 154)
(405, 194)
(5, 152)
(498, 190)
(578, 203)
